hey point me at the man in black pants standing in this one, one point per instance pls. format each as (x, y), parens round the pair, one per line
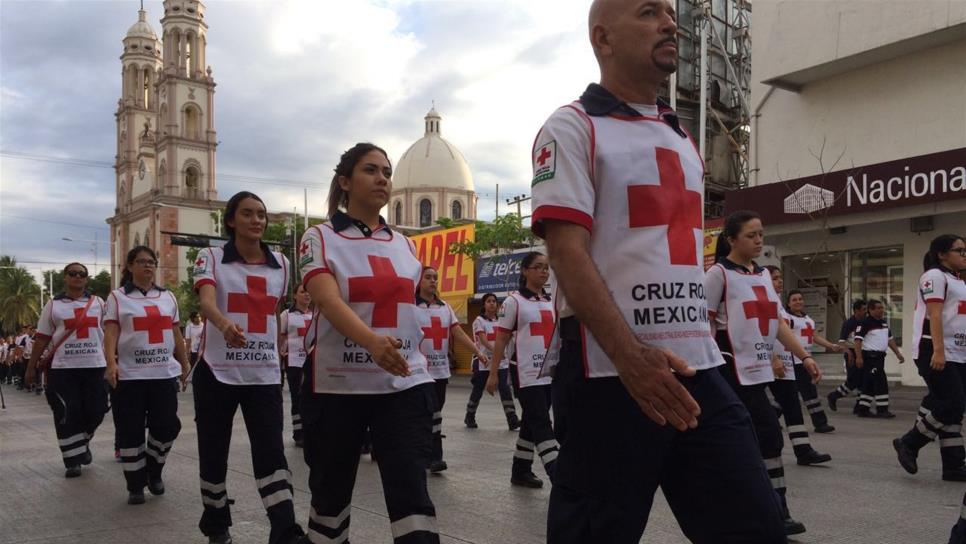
(625, 250)
(853, 375)
(872, 337)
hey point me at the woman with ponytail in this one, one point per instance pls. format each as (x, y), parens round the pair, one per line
(530, 314)
(940, 355)
(366, 369)
(746, 321)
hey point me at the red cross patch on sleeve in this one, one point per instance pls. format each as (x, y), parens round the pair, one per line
(544, 162)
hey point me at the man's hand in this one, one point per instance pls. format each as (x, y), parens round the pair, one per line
(647, 374)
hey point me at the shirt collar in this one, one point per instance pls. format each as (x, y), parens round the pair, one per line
(420, 301)
(231, 254)
(342, 221)
(528, 294)
(731, 265)
(129, 288)
(948, 271)
(63, 296)
(598, 101)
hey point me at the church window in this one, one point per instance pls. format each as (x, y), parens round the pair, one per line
(192, 122)
(457, 210)
(137, 239)
(425, 213)
(398, 213)
(147, 88)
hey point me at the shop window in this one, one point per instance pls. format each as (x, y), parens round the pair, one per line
(877, 274)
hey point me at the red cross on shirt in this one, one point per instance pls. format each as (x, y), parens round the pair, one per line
(303, 329)
(154, 323)
(761, 308)
(962, 307)
(200, 261)
(81, 323)
(543, 328)
(304, 248)
(808, 333)
(436, 332)
(491, 336)
(544, 155)
(256, 304)
(671, 203)
(385, 289)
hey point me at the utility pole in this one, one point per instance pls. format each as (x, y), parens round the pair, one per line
(497, 200)
(518, 200)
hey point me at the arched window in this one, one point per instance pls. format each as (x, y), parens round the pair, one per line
(457, 210)
(425, 213)
(191, 177)
(162, 170)
(137, 239)
(146, 90)
(398, 213)
(192, 122)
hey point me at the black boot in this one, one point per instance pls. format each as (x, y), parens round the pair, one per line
(833, 399)
(224, 538)
(793, 527)
(812, 457)
(907, 456)
(512, 421)
(135, 497)
(470, 421)
(527, 480)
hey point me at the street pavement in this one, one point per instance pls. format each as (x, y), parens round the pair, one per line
(862, 496)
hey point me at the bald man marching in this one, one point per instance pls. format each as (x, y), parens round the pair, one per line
(617, 191)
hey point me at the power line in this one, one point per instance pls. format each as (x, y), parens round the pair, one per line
(7, 215)
(71, 161)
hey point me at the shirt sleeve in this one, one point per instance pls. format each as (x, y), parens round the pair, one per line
(714, 284)
(860, 331)
(45, 325)
(478, 326)
(507, 320)
(932, 286)
(176, 318)
(563, 170)
(312, 255)
(111, 311)
(844, 333)
(203, 271)
(283, 323)
(454, 320)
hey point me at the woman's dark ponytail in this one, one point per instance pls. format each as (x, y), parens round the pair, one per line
(731, 229)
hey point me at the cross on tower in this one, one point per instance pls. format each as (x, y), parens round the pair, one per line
(256, 304)
(808, 333)
(544, 155)
(385, 289)
(761, 308)
(435, 332)
(671, 203)
(544, 327)
(154, 323)
(81, 323)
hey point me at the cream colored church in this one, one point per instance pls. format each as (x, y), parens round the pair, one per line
(166, 145)
(166, 139)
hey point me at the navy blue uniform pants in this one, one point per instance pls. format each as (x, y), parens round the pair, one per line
(613, 458)
(78, 399)
(941, 413)
(145, 404)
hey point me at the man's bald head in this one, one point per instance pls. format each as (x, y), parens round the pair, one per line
(602, 13)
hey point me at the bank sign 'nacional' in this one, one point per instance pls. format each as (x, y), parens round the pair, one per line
(907, 182)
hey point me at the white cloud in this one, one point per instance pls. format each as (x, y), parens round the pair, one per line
(298, 83)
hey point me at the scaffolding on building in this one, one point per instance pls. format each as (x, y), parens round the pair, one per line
(713, 82)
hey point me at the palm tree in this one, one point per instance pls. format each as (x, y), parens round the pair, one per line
(19, 296)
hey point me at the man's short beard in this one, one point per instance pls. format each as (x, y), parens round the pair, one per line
(670, 68)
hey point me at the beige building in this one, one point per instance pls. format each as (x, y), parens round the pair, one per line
(431, 180)
(166, 139)
(858, 150)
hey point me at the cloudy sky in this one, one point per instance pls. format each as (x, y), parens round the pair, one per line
(298, 82)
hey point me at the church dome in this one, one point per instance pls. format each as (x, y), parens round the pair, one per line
(432, 162)
(142, 29)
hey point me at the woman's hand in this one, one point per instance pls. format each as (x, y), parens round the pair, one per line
(111, 374)
(492, 381)
(234, 335)
(385, 352)
(483, 361)
(778, 367)
(185, 370)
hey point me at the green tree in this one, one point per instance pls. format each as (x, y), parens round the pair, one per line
(19, 296)
(503, 234)
(100, 284)
(184, 292)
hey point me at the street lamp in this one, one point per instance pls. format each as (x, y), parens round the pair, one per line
(93, 244)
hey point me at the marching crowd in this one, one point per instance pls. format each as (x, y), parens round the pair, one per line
(642, 370)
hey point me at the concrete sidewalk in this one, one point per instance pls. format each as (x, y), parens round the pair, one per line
(862, 496)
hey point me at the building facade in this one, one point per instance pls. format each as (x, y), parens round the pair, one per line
(166, 140)
(858, 149)
(431, 180)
